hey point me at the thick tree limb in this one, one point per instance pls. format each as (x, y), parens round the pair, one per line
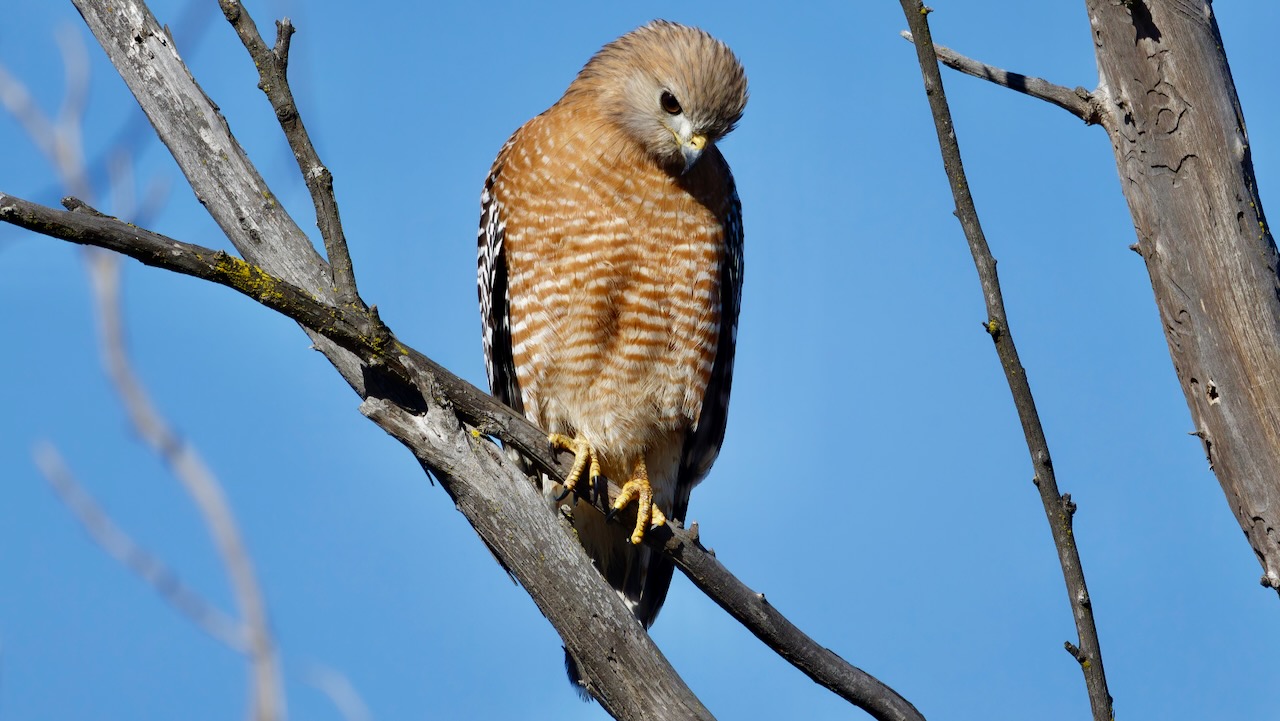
(191, 127)
(1183, 154)
(519, 521)
(1057, 507)
(244, 207)
(409, 395)
(1079, 102)
(1169, 104)
(375, 344)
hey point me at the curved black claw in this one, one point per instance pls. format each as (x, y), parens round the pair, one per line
(563, 494)
(597, 486)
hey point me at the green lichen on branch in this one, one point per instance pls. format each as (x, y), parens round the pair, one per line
(248, 279)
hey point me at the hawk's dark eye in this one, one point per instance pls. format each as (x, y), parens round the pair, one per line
(669, 103)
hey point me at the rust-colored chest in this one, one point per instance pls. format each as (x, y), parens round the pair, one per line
(614, 274)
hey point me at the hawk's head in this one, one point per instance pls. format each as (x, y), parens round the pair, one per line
(673, 89)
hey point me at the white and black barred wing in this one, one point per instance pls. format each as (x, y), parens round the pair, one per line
(702, 444)
(495, 311)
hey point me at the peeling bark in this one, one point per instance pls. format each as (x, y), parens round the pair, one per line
(1170, 107)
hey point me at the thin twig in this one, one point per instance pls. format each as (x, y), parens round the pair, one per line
(264, 234)
(17, 100)
(376, 345)
(1079, 102)
(75, 103)
(1057, 507)
(58, 141)
(273, 68)
(61, 141)
(132, 555)
(339, 690)
(206, 492)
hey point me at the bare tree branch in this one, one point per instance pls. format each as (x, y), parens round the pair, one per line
(409, 395)
(374, 343)
(337, 687)
(60, 140)
(62, 143)
(1079, 102)
(634, 680)
(1185, 162)
(16, 99)
(1058, 508)
(516, 518)
(186, 464)
(272, 68)
(133, 556)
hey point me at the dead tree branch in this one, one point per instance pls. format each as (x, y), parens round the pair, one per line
(367, 338)
(187, 465)
(628, 674)
(1079, 102)
(441, 418)
(1182, 150)
(1168, 102)
(1058, 508)
(337, 687)
(62, 143)
(245, 208)
(273, 65)
(129, 553)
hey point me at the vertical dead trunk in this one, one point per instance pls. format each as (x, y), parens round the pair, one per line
(1170, 107)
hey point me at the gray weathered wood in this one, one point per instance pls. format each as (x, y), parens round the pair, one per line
(354, 329)
(517, 528)
(1170, 107)
(629, 675)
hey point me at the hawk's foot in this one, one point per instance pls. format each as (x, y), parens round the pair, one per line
(583, 459)
(638, 489)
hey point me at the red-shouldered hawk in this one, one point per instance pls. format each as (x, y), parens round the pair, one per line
(610, 272)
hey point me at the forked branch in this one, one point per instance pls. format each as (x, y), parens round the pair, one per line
(250, 634)
(438, 416)
(118, 544)
(273, 67)
(1057, 507)
(374, 343)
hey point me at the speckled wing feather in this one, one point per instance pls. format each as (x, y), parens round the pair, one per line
(610, 275)
(495, 307)
(703, 444)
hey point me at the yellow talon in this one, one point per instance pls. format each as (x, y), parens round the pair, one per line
(583, 458)
(638, 489)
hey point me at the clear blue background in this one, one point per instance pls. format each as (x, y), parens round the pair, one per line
(874, 482)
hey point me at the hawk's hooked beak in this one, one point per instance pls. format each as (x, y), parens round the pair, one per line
(692, 149)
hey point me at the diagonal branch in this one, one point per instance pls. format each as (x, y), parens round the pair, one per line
(635, 680)
(1058, 508)
(407, 394)
(376, 345)
(132, 555)
(273, 65)
(62, 143)
(1079, 102)
(338, 688)
(188, 466)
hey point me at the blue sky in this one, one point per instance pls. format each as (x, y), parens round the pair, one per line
(873, 483)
